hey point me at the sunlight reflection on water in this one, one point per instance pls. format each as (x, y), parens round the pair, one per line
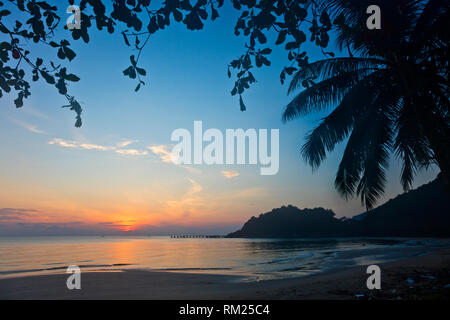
(252, 258)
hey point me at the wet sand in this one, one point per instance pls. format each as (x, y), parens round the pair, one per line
(421, 277)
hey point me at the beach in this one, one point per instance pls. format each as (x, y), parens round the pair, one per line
(419, 277)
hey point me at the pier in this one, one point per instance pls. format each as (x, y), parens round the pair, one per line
(197, 237)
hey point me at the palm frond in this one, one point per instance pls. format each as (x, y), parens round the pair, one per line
(362, 170)
(432, 12)
(398, 18)
(376, 162)
(350, 167)
(324, 69)
(322, 95)
(412, 146)
(336, 126)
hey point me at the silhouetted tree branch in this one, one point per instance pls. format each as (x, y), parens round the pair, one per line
(24, 20)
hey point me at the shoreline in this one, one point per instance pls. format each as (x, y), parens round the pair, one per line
(430, 275)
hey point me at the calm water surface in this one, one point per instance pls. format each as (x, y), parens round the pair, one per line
(253, 258)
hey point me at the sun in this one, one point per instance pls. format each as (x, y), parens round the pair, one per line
(126, 224)
(127, 228)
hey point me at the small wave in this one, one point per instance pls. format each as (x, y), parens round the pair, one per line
(64, 267)
(191, 269)
(301, 256)
(303, 268)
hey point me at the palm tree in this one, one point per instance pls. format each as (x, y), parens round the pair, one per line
(389, 96)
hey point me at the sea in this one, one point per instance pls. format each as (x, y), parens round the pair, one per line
(252, 259)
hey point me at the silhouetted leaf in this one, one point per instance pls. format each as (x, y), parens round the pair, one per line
(4, 85)
(4, 13)
(214, 14)
(19, 101)
(291, 45)
(241, 103)
(290, 70)
(133, 61)
(177, 15)
(61, 54)
(71, 77)
(70, 54)
(49, 78)
(130, 72)
(141, 71)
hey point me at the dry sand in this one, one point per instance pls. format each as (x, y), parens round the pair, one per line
(430, 275)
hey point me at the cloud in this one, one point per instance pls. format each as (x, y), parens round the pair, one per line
(126, 143)
(192, 169)
(81, 228)
(89, 146)
(16, 213)
(230, 174)
(162, 151)
(132, 152)
(117, 224)
(165, 155)
(190, 202)
(50, 224)
(195, 187)
(49, 228)
(29, 127)
(78, 145)
(34, 129)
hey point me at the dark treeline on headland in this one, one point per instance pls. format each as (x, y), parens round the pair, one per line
(424, 212)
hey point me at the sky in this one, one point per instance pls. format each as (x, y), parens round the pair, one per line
(112, 175)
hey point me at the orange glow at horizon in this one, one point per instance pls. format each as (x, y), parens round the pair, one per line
(125, 208)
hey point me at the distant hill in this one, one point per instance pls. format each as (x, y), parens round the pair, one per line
(423, 212)
(291, 222)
